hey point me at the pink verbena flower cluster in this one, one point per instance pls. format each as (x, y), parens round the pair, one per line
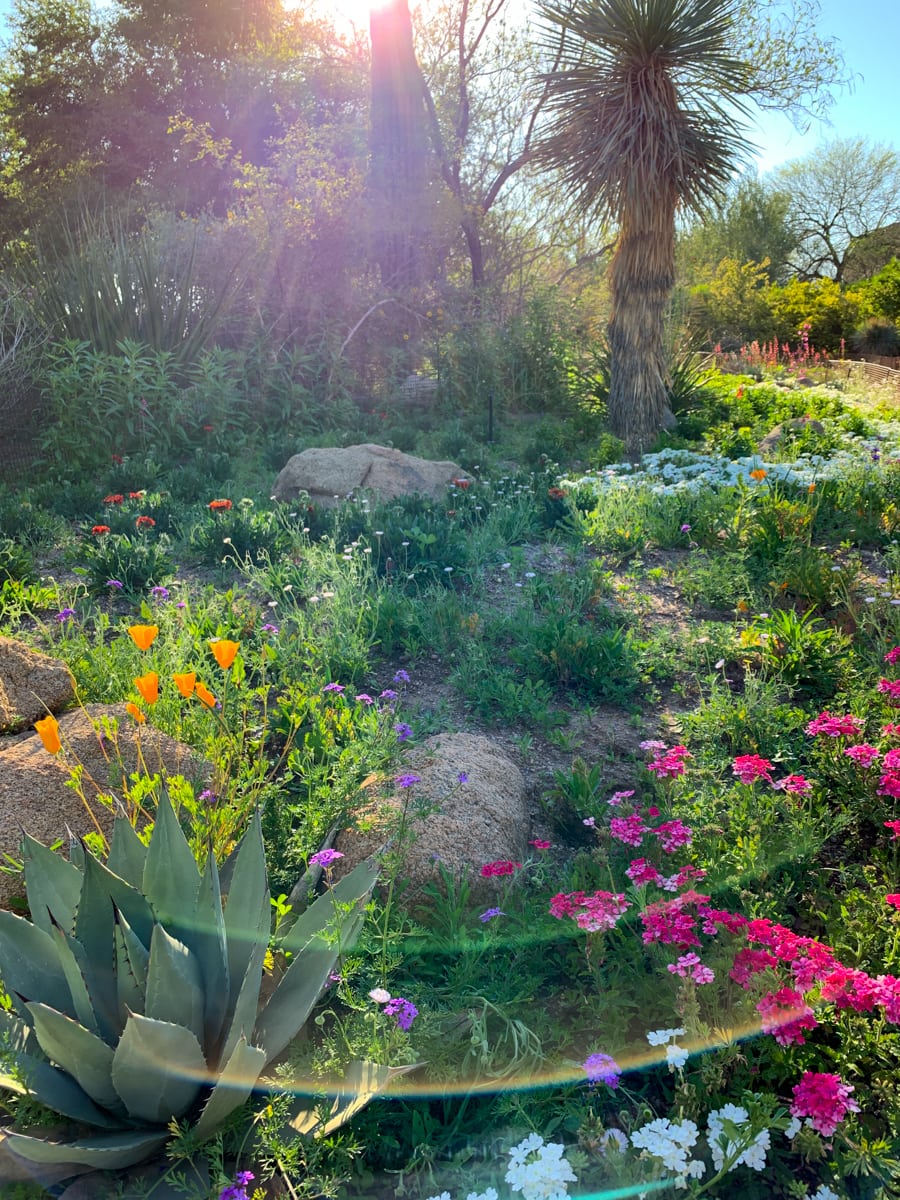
(689, 966)
(829, 726)
(599, 910)
(785, 1014)
(671, 763)
(824, 1099)
(503, 866)
(750, 767)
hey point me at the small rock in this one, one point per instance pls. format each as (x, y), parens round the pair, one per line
(466, 824)
(31, 685)
(34, 794)
(324, 473)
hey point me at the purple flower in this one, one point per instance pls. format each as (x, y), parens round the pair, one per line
(408, 780)
(115, 583)
(462, 777)
(489, 914)
(273, 629)
(64, 615)
(208, 796)
(238, 1189)
(364, 698)
(161, 593)
(401, 676)
(685, 528)
(333, 687)
(181, 604)
(324, 858)
(600, 1068)
(403, 1011)
(403, 731)
(388, 694)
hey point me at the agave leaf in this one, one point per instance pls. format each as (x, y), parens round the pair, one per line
(16, 1035)
(57, 1090)
(127, 853)
(82, 1054)
(110, 1152)
(246, 1006)
(53, 885)
(362, 1082)
(30, 964)
(286, 1012)
(209, 945)
(174, 990)
(235, 1083)
(290, 1004)
(71, 955)
(128, 900)
(171, 877)
(94, 924)
(132, 959)
(248, 914)
(158, 1069)
(356, 885)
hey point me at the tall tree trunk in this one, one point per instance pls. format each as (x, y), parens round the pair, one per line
(399, 149)
(642, 278)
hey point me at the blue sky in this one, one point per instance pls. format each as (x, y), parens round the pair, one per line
(868, 32)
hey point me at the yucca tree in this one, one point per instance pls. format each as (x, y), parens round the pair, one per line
(644, 118)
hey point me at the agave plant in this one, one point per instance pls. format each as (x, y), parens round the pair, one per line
(135, 989)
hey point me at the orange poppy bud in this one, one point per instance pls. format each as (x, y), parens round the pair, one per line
(133, 709)
(186, 683)
(202, 692)
(148, 686)
(48, 731)
(143, 636)
(224, 652)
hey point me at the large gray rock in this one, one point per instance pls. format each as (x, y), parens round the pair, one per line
(460, 825)
(34, 794)
(31, 685)
(328, 474)
(775, 437)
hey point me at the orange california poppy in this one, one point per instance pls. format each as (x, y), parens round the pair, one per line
(143, 636)
(202, 692)
(220, 505)
(759, 474)
(148, 686)
(224, 652)
(48, 731)
(132, 708)
(185, 683)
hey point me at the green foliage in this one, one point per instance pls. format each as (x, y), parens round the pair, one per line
(881, 293)
(143, 988)
(15, 561)
(138, 562)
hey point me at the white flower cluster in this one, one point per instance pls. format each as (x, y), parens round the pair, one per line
(724, 1150)
(538, 1169)
(489, 1194)
(671, 472)
(676, 1056)
(823, 1192)
(670, 1142)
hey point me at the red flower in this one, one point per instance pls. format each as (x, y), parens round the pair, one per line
(118, 459)
(556, 493)
(207, 428)
(502, 866)
(117, 498)
(136, 495)
(100, 529)
(462, 483)
(220, 505)
(894, 899)
(145, 522)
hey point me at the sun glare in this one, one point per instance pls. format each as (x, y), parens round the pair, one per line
(354, 13)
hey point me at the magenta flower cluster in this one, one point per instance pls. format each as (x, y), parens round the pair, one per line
(824, 1099)
(599, 910)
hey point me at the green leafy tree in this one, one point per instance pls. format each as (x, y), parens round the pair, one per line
(843, 191)
(732, 308)
(642, 123)
(754, 225)
(880, 295)
(821, 304)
